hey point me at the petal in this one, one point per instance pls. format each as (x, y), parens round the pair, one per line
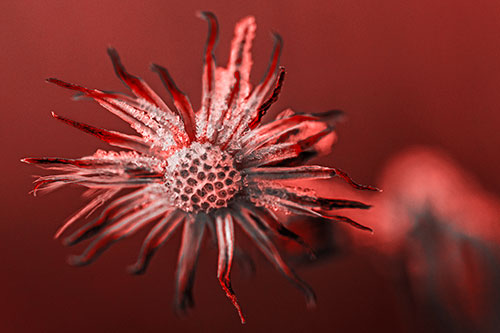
(306, 197)
(208, 80)
(181, 101)
(192, 236)
(95, 203)
(262, 109)
(295, 208)
(106, 170)
(122, 228)
(118, 208)
(240, 59)
(264, 85)
(303, 172)
(143, 118)
(158, 236)
(245, 220)
(113, 104)
(137, 85)
(273, 130)
(271, 223)
(116, 139)
(225, 240)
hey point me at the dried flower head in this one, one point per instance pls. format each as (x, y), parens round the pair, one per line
(209, 169)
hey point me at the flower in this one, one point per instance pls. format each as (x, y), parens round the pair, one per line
(209, 169)
(436, 244)
(438, 232)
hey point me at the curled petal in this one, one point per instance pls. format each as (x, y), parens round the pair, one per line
(262, 88)
(262, 109)
(225, 240)
(137, 85)
(351, 182)
(181, 101)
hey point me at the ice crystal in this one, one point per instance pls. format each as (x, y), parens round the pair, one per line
(208, 169)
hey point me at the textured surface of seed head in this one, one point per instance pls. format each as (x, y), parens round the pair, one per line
(197, 186)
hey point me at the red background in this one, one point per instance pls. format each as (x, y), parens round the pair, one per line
(406, 72)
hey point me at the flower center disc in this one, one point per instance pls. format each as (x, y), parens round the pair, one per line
(201, 178)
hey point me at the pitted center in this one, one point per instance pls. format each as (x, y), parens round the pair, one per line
(201, 178)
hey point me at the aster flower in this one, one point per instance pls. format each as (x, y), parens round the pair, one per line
(205, 170)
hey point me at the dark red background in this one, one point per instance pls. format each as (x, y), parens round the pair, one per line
(407, 72)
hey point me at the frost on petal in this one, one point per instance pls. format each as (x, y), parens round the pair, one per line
(255, 106)
(285, 153)
(208, 79)
(313, 135)
(102, 170)
(305, 197)
(247, 104)
(301, 201)
(111, 103)
(210, 123)
(269, 132)
(240, 59)
(181, 101)
(150, 104)
(232, 83)
(303, 172)
(271, 155)
(144, 120)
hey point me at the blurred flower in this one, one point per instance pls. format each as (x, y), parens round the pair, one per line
(439, 231)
